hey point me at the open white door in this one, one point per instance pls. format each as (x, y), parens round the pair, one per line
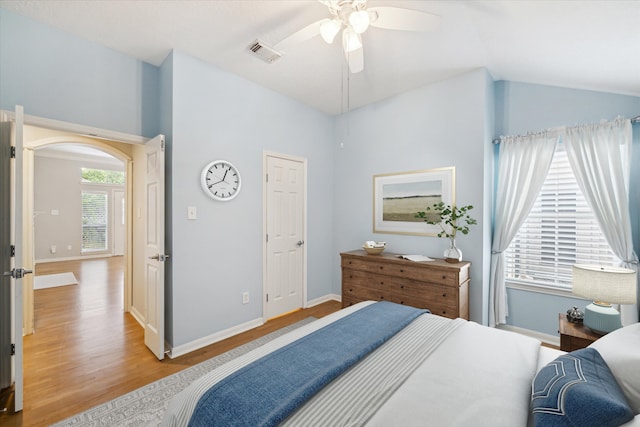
(285, 224)
(15, 272)
(154, 246)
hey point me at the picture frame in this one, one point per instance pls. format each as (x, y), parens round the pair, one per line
(397, 197)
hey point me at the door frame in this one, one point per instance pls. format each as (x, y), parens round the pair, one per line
(119, 232)
(83, 134)
(265, 156)
(50, 138)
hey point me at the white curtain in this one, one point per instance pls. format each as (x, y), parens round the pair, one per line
(600, 156)
(523, 164)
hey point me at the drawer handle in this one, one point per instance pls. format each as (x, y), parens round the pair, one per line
(382, 267)
(444, 277)
(382, 282)
(401, 286)
(402, 302)
(382, 297)
(444, 295)
(401, 271)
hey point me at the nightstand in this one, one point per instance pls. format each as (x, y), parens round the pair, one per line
(574, 336)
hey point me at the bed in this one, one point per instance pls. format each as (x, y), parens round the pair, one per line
(431, 371)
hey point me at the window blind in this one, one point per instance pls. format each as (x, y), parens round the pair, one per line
(561, 230)
(94, 221)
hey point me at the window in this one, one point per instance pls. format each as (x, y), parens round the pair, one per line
(100, 176)
(94, 221)
(561, 230)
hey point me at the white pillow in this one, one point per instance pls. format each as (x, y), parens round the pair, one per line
(621, 350)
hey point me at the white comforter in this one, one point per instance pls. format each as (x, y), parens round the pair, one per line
(476, 376)
(479, 376)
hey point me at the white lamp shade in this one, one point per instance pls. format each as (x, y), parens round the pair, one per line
(359, 21)
(329, 30)
(350, 40)
(603, 283)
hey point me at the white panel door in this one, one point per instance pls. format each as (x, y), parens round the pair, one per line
(154, 246)
(285, 223)
(15, 271)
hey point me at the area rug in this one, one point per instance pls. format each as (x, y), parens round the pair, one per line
(54, 280)
(146, 405)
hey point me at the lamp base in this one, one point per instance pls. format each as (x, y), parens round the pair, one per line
(601, 317)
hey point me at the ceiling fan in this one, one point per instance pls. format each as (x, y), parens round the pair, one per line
(353, 17)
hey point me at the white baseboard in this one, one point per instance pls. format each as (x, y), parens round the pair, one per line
(547, 339)
(227, 333)
(213, 338)
(137, 315)
(318, 301)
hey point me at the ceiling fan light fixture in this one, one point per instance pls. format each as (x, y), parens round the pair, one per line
(359, 21)
(351, 40)
(329, 30)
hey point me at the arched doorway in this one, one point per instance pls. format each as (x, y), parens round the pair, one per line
(39, 138)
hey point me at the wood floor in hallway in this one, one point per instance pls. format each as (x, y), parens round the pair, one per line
(86, 350)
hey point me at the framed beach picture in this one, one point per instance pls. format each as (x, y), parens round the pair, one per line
(398, 196)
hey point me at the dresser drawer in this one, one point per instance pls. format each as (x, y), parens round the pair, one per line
(418, 272)
(445, 310)
(365, 293)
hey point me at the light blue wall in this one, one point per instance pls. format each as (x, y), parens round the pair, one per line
(217, 115)
(440, 125)
(59, 76)
(522, 108)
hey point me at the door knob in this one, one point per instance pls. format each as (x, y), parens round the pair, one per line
(17, 273)
(300, 243)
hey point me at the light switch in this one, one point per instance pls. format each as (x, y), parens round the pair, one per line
(191, 212)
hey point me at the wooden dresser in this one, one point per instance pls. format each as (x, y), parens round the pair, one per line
(437, 285)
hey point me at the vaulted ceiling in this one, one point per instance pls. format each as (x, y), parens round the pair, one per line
(591, 45)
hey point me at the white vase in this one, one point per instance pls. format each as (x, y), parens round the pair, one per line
(452, 253)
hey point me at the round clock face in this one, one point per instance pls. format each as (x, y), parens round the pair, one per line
(221, 180)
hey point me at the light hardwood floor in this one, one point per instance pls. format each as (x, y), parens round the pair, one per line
(86, 350)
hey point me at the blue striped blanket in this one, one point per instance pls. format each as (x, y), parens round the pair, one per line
(267, 391)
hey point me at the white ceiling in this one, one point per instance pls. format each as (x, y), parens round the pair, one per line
(578, 44)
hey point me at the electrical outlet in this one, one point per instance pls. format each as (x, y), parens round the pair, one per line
(245, 297)
(53, 249)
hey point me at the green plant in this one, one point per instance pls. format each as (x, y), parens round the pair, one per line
(457, 218)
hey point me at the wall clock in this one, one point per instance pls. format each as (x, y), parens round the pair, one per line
(221, 180)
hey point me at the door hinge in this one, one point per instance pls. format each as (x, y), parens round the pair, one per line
(13, 349)
(266, 177)
(267, 297)
(13, 251)
(13, 152)
(267, 238)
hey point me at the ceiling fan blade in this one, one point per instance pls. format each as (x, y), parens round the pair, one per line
(395, 18)
(355, 59)
(300, 36)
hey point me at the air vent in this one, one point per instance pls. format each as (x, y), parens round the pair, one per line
(264, 51)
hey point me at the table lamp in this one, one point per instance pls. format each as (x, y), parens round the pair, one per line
(605, 286)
